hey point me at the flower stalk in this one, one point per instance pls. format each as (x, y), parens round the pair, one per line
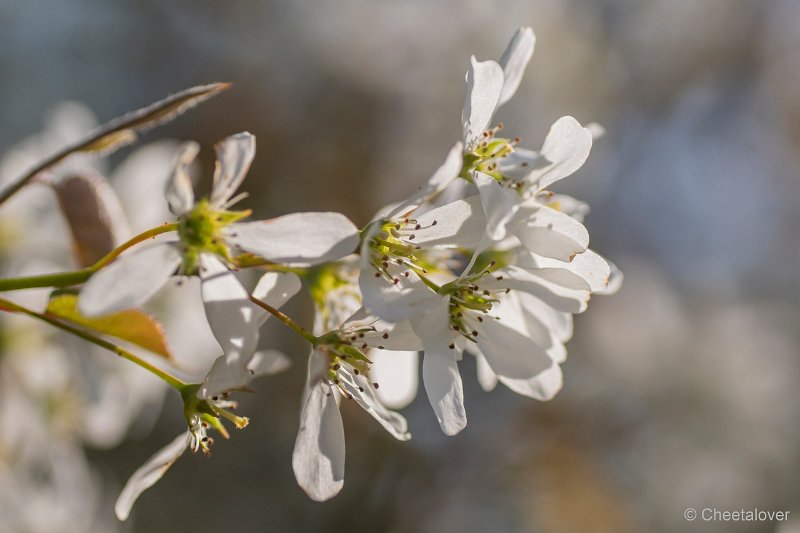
(66, 279)
(172, 381)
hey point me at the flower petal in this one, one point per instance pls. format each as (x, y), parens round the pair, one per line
(394, 301)
(587, 270)
(499, 203)
(514, 60)
(440, 368)
(364, 394)
(542, 387)
(268, 362)
(390, 336)
(396, 373)
(568, 205)
(443, 386)
(484, 85)
(130, 280)
(234, 156)
(298, 239)
(234, 320)
(556, 296)
(149, 473)
(614, 280)
(179, 191)
(558, 323)
(566, 147)
(486, 376)
(458, 224)
(318, 458)
(549, 233)
(509, 350)
(275, 289)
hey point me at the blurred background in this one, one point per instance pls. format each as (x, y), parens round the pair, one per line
(680, 391)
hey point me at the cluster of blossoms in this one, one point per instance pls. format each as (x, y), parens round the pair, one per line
(482, 259)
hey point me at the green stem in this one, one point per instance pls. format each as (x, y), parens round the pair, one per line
(173, 381)
(286, 320)
(66, 279)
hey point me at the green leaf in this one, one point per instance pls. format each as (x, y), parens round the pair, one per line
(132, 325)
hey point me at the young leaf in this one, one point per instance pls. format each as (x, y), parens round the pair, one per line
(93, 214)
(124, 130)
(132, 325)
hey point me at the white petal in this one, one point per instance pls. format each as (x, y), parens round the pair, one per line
(391, 301)
(179, 192)
(234, 319)
(519, 163)
(318, 458)
(391, 336)
(543, 387)
(587, 270)
(397, 376)
(234, 156)
(509, 350)
(597, 130)
(499, 203)
(569, 206)
(549, 233)
(458, 224)
(443, 176)
(558, 323)
(486, 376)
(566, 147)
(268, 362)
(149, 473)
(440, 369)
(514, 60)
(275, 289)
(393, 422)
(556, 296)
(614, 280)
(484, 85)
(130, 280)
(299, 239)
(443, 386)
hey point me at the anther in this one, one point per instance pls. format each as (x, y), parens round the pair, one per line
(452, 346)
(386, 335)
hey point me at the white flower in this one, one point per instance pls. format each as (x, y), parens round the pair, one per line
(339, 368)
(209, 233)
(400, 252)
(237, 321)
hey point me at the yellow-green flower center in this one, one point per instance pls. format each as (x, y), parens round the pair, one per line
(485, 156)
(201, 231)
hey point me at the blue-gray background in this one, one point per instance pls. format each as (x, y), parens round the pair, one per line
(680, 391)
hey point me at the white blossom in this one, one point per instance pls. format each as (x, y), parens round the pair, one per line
(206, 403)
(339, 368)
(209, 232)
